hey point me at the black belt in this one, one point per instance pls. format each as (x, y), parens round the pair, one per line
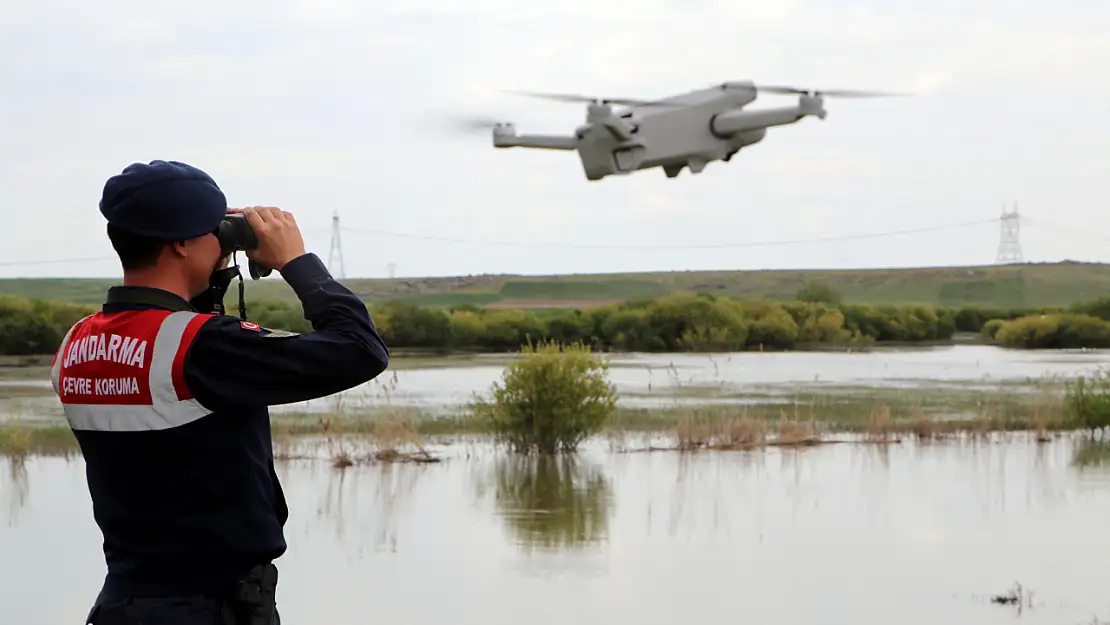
(250, 601)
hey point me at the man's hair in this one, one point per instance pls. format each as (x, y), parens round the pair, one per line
(135, 251)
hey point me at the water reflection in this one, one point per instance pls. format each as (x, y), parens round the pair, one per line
(16, 486)
(339, 505)
(855, 533)
(550, 502)
(1092, 454)
(360, 505)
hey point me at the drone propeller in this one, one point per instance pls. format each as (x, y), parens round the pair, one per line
(836, 93)
(473, 123)
(573, 97)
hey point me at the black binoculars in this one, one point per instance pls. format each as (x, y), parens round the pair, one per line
(235, 234)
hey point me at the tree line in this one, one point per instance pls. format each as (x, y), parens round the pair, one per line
(680, 322)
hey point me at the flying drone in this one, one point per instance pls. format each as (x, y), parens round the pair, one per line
(687, 130)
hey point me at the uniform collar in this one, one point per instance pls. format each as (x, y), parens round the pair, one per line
(132, 297)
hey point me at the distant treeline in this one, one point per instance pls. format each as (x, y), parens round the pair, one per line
(683, 322)
(31, 326)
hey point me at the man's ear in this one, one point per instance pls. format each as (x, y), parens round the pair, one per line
(179, 248)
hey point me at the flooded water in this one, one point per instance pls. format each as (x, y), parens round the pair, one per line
(652, 380)
(845, 533)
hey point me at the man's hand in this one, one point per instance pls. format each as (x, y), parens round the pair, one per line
(279, 238)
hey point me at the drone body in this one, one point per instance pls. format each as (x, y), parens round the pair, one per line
(688, 130)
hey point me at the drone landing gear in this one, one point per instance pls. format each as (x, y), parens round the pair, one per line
(696, 166)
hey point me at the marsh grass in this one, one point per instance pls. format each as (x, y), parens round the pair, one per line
(1087, 400)
(880, 427)
(402, 434)
(382, 429)
(880, 415)
(392, 435)
(705, 429)
(18, 439)
(15, 439)
(978, 417)
(792, 433)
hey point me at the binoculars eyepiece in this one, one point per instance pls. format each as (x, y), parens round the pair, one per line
(235, 234)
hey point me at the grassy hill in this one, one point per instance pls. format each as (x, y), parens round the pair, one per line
(1030, 284)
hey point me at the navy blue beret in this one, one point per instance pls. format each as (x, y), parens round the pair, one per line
(163, 199)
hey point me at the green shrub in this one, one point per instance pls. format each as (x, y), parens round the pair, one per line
(691, 322)
(1099, 307)
(274, 314)
(677, 322)
(1058, 331)
(412, 325)
(1088, 400)
(30, 326)
(770, 326)
(819, 323)
(549, 400)
(467, 326)
(570, 326)
(508, 329)
(990, 329)
(970, 319)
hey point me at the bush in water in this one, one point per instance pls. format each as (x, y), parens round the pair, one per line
(1088, 400)
(549, 400)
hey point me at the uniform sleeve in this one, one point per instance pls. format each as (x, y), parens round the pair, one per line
(234, 363)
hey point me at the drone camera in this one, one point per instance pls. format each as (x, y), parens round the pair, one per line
(628, 158)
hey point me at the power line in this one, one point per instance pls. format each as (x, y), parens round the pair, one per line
(850, 237)
(85, 259)
(1064, 230)
(56, 261)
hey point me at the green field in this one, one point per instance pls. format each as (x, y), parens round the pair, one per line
(1003, 286)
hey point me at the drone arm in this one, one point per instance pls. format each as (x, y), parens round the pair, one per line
(733, 122)
(539, 142)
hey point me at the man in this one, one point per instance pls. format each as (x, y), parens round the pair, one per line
(169, 402)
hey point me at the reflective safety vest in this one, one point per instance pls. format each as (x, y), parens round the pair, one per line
(124, 371)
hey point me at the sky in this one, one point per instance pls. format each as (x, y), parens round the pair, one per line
(343, 106)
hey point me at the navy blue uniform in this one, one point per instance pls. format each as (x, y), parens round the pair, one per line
(188, 510)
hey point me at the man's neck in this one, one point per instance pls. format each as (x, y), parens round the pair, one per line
(177, 287)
